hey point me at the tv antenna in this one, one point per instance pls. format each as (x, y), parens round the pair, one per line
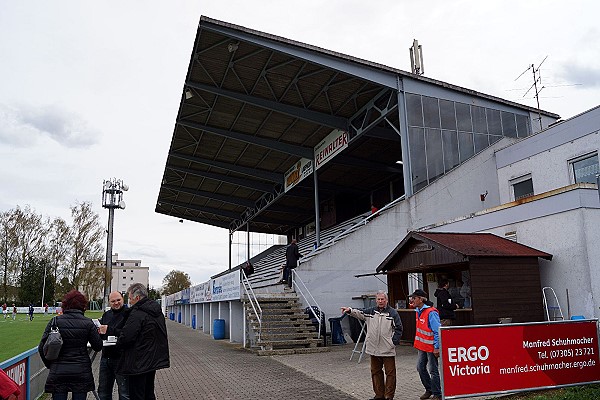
(537, 78)
(416, 58)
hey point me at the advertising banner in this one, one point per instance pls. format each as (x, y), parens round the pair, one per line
(18, 373)
(297, 173)
(197, 293)
(334, 143)
(226, 287)
(489, 359)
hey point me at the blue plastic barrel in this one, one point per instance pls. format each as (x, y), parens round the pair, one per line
(219, 329)
(193, 322)
(179, 317)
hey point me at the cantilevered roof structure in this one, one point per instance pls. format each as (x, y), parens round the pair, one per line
(257, 110)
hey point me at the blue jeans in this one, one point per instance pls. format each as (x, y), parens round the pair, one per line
(431, 379)
(63, 396)
(107, 377)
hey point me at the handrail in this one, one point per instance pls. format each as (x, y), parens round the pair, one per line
(295, 279)
(252, 297)
(367, 217)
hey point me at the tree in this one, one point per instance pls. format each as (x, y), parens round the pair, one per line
(154, 294)
(92, 278)
(175, 281)
(87, 236)
(32, 279)
(8, 250)
(30, 233)
(60, 243)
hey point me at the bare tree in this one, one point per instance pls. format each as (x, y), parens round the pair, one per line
(175, 281)
(60, 243)
(87, 236)
(91, 279)
(8, 250)
(30, 233)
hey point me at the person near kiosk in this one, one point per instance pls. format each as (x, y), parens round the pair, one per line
(445, 304)
(384, 330)
(427, 342)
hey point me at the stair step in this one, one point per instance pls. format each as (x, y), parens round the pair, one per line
(301, 324)
(290, 342)
(286, 317)
(279, 311)
(283, 352)
(265, 336)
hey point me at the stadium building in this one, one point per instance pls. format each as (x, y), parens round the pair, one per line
(365, 165)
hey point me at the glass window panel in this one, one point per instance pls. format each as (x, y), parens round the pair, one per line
(414, 110)
(479, 123)
(509, 124)
(465, 145)
(481, 142)
(523, 127)
(417, 158)
(523, 189)
(463, 117)
(431, 112)
(435, 158)
(493, 121)
(493, 139)
(586, 170)
(447, 114)
(450, 145)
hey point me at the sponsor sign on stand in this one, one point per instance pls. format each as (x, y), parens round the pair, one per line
(297, 173)
(226, 287)
(333, 144)
(487, 359)
(18, 373)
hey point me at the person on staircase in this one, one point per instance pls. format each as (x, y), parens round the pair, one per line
(292, 255)
(384, 330)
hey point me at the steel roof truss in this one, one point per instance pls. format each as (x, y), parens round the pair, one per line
(210, 195)
(293, 111)
(286, 148)
(247, 183)
(253, 172)
(383, 103)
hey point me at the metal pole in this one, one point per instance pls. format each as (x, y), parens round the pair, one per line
(230, 240)
(109, 246)
(317, 211)
(248, 240)
(44, 285)
(404, 145)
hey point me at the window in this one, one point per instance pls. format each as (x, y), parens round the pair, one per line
(522, 187)
(132, 271)
(122, 264)
(124, 277)
(124, 270)
(136, 264)
(132, 278)
(585, 168)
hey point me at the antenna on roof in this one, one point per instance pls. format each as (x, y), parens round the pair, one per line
(416, 58)
(537, 78)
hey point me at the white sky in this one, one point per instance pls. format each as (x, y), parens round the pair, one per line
(90, 90)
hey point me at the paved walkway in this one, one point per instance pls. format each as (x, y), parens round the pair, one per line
(207, 369)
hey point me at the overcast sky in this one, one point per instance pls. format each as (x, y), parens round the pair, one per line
(89, 90)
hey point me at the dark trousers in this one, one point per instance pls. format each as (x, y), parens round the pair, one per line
(63, 396)
(427, 366)
(107, 377)
(287, 275)
(141, 387)
(387, 389)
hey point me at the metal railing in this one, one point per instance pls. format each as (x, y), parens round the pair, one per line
(299, 289)
(253, 302)
(367, 217)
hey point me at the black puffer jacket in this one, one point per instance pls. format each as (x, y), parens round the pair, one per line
(143, 339)
(445, 305)
(114, 320)
(72, 371)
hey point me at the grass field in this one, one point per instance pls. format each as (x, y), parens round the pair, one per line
(21, 334)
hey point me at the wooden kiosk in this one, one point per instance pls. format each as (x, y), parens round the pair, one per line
(502, 276)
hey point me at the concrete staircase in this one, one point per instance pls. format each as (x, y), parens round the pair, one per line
(286, 329)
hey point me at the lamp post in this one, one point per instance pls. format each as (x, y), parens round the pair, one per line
(112, 197)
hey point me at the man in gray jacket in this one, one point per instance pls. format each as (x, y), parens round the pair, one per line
(384, 330)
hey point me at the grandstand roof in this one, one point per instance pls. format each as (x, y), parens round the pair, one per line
(253, 105)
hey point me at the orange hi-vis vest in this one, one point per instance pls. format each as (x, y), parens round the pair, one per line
(424, 335)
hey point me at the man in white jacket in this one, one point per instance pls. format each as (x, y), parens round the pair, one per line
(384, 329)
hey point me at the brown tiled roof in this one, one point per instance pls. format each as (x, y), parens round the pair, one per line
(482, 245)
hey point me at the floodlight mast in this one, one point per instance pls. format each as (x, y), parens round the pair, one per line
(112, 197)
